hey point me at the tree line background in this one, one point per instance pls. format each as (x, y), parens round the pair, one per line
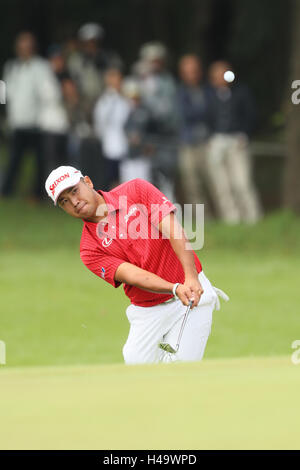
(259, 37)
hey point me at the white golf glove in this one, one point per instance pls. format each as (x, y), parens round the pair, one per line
(221, 294)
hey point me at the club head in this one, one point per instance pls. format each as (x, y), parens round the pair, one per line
(167, 347)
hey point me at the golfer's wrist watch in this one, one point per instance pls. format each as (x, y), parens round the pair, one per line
(174, 289)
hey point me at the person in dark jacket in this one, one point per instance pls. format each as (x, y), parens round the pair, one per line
(231, 120)
(193, 129)
(140, 149)
(159, 94)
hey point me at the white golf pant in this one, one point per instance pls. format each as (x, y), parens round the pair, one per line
(150, 326)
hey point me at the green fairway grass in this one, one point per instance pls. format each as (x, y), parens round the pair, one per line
(55, 312)
(249, 403)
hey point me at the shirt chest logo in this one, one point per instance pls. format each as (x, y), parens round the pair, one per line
(106, 242)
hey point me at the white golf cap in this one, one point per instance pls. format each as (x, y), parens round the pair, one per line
(90, 31)
(153, 51)
(60, 179)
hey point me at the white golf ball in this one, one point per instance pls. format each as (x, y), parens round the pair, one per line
(229, 76)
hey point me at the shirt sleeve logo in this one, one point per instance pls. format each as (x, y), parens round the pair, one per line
(103, 272)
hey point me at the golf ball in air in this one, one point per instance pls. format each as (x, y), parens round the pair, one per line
(229, 76)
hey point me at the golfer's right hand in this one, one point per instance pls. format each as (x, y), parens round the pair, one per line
(187, 292)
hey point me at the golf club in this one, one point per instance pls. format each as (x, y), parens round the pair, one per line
(166, 346)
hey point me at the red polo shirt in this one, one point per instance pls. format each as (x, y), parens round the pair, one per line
(129, 234)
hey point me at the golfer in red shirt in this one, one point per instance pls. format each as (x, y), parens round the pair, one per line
(131, 236)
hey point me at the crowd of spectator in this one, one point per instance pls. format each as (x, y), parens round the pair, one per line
(185, 135)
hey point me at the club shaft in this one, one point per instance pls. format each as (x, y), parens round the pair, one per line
(183, 324)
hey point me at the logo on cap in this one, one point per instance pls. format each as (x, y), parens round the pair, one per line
(56, 182)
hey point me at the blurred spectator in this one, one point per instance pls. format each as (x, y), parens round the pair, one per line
(33, 106)
(78, 127)
(160, 96)
(231, 120)
(110, 115)
(84, 150)
(57, 62)
(194, 130)
(55, 124)
(74, 104)
(138, 163)
(140, 70)
(88, 61)
(72, 54)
